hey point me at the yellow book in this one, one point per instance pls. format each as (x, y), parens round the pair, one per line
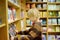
(44, 14)
(40, 14)
(59, 14)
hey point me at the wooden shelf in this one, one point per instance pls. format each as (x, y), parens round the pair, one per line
(55, 3)
(54, 25)
(53, 10)
(44, 25)
(2, 25)
(13, 21)
(54, 33)
(42, 17)
(54, 17)
(36, 2)
(14, 5)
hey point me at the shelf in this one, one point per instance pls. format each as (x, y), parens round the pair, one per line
(42, 9)
(54, 25)
(44, 25)
(14, 5)
(55, 3)
(36, 2)
(13, 21)
(29, 25)
(42, 17)
(2, 25)
(53, 10)
(54, 17)
(54, 33)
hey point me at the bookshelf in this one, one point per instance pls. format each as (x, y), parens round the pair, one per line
(50, 14)
(9, 13)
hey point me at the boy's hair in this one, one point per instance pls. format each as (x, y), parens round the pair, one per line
(33, 13)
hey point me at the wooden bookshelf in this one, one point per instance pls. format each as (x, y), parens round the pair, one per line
(37, 2)
(4, 27)
(48, 16)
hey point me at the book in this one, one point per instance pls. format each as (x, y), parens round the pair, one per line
(44, 0)
(49, 21)
(41, 14)
(58, 29)
(44, 29)
(43, 37)
(54, 21)
(44, 14)
(58, 14)
(59, 21)
(39, 0)
(33, 0)
(51, 14)
(44, 6)
(39, 6)
(51, 1)
(51, 37)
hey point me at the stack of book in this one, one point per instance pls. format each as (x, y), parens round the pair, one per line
(52, 21)
(11, 14)
(41, 14)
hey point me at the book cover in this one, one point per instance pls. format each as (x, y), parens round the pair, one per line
(43, 22)
(39, 0)
(54, 21)
(49, 21)
(44, 0)
(58, 29)
(44, 14)
(51, 14)
(33, 0)
(39, 6)
(41, 14)
(58, 14)
(44, 6)
(43, 37)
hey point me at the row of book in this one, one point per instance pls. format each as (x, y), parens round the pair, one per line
(53, 37)
(54, 13)
(14, 1)
(44, 0)
(37, 0)
(43, 14)
(11, 14)
(54, 29)
(39, 6)
(53, 7)
(51, 29)
(54, 21)
(53, 0)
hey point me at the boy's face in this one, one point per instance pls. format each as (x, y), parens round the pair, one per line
(33, 19)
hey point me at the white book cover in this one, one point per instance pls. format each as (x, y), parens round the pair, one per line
(49, 21)
(44, 0)
(39, 6)
(54, 21)
(57, 29)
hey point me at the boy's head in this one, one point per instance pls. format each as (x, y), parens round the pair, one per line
(33, 14)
